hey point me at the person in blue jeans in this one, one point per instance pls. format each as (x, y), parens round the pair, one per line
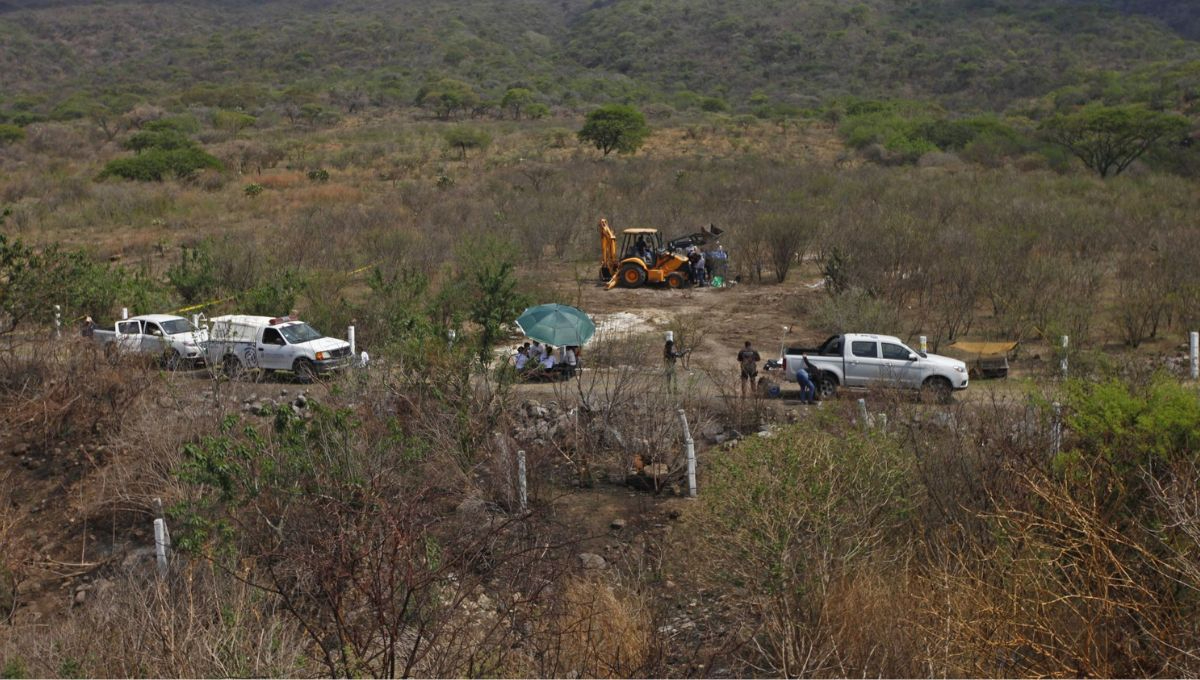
(804, 376)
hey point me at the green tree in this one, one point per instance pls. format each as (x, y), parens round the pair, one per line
(1109, 138)
(496, 302)
(515, 100)
(615, 127)
(156, 164)
(195, 278)
(447, 97)
(232, 122)
(464, 137)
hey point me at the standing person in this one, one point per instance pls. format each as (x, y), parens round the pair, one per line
(748, 358)
(720, 262)
(89, 327)
(804, 377)
(701, 268)
(670, 356)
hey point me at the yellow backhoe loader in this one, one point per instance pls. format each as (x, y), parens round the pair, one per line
(643, 258)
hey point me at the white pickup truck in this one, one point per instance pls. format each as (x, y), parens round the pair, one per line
(173, 338)
(240, 343)
(862, 361)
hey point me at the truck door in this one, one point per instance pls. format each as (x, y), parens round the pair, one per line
(273, 350)
(862, 364)
(895, 368)
(129, 335)
(153, 340)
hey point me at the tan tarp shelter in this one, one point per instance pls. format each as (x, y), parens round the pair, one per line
(983, 349)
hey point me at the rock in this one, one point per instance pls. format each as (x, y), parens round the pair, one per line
(592, 561)
(473, 508)
(612, 435)
(719, 439)
(301, 402)
(540, 412)
(656, 470)
(617, 524)
(80, 596)
(283, 393)
(20, 449)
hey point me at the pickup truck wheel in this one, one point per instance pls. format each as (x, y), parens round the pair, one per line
(231, 367)
(827, 386)
(937, 389)
(305, 371)
(631, 276)
(172, 361)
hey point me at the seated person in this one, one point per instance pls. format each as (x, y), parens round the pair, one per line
(522, 359)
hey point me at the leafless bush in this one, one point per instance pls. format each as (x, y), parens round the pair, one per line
(199, 623)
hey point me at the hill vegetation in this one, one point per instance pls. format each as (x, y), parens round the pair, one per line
(62, 60)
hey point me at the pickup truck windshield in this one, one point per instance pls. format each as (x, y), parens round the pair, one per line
(176, 326)
(300, 332)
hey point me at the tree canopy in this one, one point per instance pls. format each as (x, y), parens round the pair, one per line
(615, 127)
(1109, 138)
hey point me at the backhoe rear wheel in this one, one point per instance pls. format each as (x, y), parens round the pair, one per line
(676, 280)
(631, 276)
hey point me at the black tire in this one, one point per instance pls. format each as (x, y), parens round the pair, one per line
(605, 274)
(631, 276)
(827, 386)
(172, 361)
(305, 370)
(231, 366)
(937, 389)
(676, 280)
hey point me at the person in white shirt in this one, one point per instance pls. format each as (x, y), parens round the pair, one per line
(547, 360)
(522, 359)
(569, 356)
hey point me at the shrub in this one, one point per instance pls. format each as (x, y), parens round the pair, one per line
(793, 521)
(252, 189)
(10, 134)
(156, 164)
(318, 175)
(855, 311)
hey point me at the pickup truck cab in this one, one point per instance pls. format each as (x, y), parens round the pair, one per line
(241, 343)
(859, 360)
(173, 338)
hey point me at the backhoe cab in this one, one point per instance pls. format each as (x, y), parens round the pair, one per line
(642, 257)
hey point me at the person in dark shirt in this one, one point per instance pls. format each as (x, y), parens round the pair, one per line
(748, 359)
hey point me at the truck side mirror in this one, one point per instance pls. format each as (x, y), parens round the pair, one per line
(912, 356)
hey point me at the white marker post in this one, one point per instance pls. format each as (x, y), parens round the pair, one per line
(1056, 429)
(522, 489)
(350, 339)
(162, 541)
(1063, 363)
(57, 322)
(1194, 347)
(124, 313)
(862, 414)
(690, 448)
(924, 344)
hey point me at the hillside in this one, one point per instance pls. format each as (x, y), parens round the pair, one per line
(966, 54)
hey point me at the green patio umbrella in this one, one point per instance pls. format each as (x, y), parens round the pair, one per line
(558, 325)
